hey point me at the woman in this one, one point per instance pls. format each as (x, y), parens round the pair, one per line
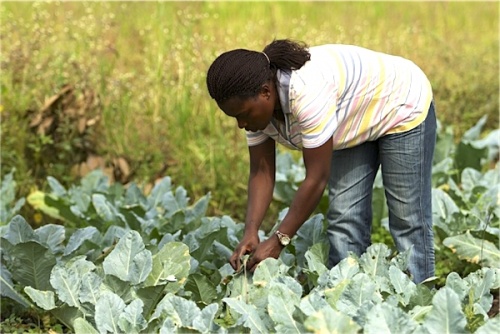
(350, 110)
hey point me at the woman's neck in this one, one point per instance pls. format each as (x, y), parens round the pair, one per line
(278, 112)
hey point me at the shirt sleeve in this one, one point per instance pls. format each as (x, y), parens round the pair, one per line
(314, 103)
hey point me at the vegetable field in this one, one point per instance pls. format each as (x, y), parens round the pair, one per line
(124, 188)
(129, 262)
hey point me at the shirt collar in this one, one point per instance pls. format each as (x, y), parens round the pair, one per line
(283, 87)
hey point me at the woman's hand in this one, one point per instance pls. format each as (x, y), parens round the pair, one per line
(269, 248)
(246, 246)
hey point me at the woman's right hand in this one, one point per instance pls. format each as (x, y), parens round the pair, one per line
(246, 246)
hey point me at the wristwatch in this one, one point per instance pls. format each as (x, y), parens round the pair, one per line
(283, 238)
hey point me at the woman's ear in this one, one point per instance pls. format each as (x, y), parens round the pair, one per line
(265, 91)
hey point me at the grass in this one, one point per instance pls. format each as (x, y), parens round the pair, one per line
(147, 62)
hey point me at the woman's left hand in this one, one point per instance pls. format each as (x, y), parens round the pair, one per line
(268, 248)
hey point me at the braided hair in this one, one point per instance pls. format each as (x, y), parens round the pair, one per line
(241, 73)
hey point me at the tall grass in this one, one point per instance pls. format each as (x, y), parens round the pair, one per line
(147, 62)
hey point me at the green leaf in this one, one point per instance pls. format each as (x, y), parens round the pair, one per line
(129, 260)
(122, 289)
(82, 326)
(313, 302)
(476, 278)
(199, 209)
(317, 258)
(402, 284)
(134, 196)
(491, 326)
(267, 270)
(8, 211)
(66, 314)
(402, 259)
(81, 202)
(469, 155)
(418, 313)
(474, 250)
(52, 206)
(474, 132)
(52, 236)
(19, 231)
(379, 206)
(422, 296)
(481, 283)
(57, 188)
(43, 299)
(330, 321)
(162, 187)
(204, 322)
(249, 316)
(172, 261)
(90, 288)
(95, 181)
(131, 320)
(181, 199)
(309, 234)
(67, 285)
(288, 174)
(205, 243)
(385, 318)
(343, 271)
(470, 179)
(241, 286)
(202, 289)
(446, 315)
(470, 152)
(67, 279)
(103, 208)
(282, 304)
(490, 141)
(441, 170)
(360, 291)
(181, 311)
(374, 261)
(31, 265)
(7, 188)
(7, 287)
(443, 206)
(7, 197)
(150, 296)
(457, 284)
(107, 312)
(80, 236)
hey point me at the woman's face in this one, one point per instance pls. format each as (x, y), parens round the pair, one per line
(254, 113)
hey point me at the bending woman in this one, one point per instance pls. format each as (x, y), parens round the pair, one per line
(349, 110)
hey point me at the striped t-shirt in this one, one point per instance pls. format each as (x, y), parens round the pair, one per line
(348, 92)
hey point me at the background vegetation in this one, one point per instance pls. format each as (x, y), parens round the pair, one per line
(121, 85)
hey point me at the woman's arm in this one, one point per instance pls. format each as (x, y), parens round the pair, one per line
(260, 193)
(260, 183)
(317, 162)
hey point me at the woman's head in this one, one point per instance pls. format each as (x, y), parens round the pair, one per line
(238, 73)
(242, 81)
(241, 73)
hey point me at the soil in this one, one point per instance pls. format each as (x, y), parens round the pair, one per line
(495, 306)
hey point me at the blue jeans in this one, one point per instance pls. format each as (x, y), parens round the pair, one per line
(406, 162)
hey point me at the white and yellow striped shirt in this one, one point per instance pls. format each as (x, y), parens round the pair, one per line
(348, 92)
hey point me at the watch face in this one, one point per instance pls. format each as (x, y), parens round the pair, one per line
(283, 238)
(285, 241)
